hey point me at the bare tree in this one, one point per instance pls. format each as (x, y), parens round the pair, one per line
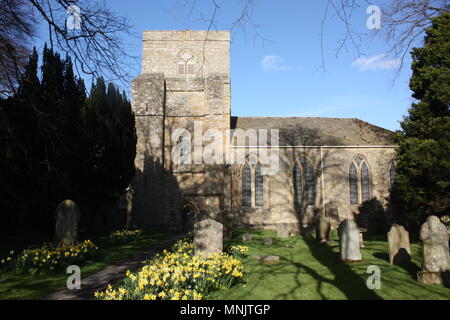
(402, 24)
(93, 35)
(16, 31)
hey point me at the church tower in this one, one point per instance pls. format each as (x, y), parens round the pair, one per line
(183, 90)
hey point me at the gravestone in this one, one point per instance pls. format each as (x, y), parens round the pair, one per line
(331, 211)
(268, 260)
(361, 237)
(436, 259)
(208, 237)
(323, 229)
(283, 230)
(246, 237)
(399, 249)
(349, 241)
(267, 241)
(67, 217)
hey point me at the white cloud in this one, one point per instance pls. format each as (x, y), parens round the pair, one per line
(274, 62)
(378, 62)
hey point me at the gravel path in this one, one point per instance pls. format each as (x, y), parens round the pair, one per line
(111, 274)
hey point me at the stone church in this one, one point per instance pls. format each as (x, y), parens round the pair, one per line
(329, 165)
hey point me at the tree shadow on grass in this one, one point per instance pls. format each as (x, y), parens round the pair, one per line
(346, 280)
(408, 266)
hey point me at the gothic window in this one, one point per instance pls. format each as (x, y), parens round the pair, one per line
(186, 64)
(298, 184)
(246, 186)
(309, 177)
(190, 67)
(359, 181)
(304, 182)
(180, 67)
(392, 174)
(259, 186)
(353, 180)
(365, 184)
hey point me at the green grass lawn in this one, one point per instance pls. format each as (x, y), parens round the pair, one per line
(27, 286)
(311, 271)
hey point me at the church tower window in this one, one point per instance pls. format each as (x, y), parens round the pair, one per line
(186, 64)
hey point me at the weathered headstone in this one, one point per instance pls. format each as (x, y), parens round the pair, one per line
(332, 213)
(246, 237)
(399, 249)
(283, 230)
(361, 237)
(308, 216)
(267, 241)
(323, 229)
(268, 260)
(67, 218)
(349, 241)
(436, 259)
(208, 237)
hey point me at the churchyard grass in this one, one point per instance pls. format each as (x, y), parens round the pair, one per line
(27, 286)
(307, 270)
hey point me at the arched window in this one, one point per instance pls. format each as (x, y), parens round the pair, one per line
(304, 182)
(246, 185)
(186, 64)
(365, 183)
(259, 186)
(353, 180)
(392, 174)
(359, 181)
(309, 177)
(298, 184)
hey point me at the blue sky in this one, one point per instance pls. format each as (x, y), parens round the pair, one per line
(281, 76)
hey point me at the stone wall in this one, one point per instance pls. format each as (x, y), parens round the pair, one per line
(279, 188)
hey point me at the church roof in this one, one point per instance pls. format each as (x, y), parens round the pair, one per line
(317, 131)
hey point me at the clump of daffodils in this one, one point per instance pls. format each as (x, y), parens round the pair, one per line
(126, 235)
(238, 251)
(49, 257)
(178, 275)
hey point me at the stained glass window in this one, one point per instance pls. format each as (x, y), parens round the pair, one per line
(353, 181)
(309, 177)
(365, 182)
(259, 186)
(298, 184)
(246, 186)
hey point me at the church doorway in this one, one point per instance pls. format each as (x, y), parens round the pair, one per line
(187, 218)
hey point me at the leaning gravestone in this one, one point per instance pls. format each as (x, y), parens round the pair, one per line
(323, 229)
(208, 237)
(246, 237)
(399, 249)
(349, 241)
(283, 230)
(67, 218)
(436, 259)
